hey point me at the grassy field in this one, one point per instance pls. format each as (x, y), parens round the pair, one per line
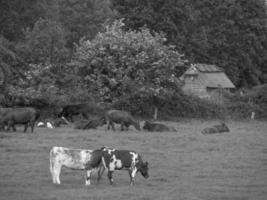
(184, 165)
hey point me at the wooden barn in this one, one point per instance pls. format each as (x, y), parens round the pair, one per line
(203, 80)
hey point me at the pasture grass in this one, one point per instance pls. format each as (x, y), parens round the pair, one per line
(184, 165)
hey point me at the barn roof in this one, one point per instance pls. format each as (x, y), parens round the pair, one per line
(207, 68)
(210, 75)
(216, 80)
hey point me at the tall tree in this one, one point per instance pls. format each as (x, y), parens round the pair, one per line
(229, 33)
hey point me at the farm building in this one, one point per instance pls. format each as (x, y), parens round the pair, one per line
(203, 80)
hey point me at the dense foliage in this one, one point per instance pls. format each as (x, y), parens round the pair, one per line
(229, 33)
(61, 51)
(118, 63)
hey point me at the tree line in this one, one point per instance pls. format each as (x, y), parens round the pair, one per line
(72, 51)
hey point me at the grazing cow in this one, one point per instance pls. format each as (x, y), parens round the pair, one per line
(152, 126)
(70, 158)
(216, 129)
(3, 111)
(84, 109)
(113, 159)
(121, 117)
(90, 124)
(25, 115)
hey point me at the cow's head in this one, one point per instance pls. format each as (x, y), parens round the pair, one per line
(144, 169)
(147, 125)
(102, 121)
(225, 127)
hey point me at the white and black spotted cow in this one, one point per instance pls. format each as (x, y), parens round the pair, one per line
(113, 159)
(73, 159)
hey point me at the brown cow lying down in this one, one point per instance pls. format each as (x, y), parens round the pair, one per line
(124, 118)
(152, 126)
(216, 129)
(88, 124)
(52, 123)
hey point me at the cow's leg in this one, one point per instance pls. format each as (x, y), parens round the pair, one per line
(110, 177)
(100, 172)
(56, 173)
(9, 125)
(132, 173)
(25, 127)
(88, 177)
(32, 126)
(14, 128)
(52, 170)
(109, 124)
(122, 126)
(127, 126)
(112, 125)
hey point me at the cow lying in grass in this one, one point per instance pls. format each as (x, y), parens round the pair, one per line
(123, 118)
(73, 159)
(216, 129)
(84, 109)
(113, 159)
(90, 124)
(152, 126)
(52, 123)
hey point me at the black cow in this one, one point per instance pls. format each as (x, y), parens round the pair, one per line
(216, 129)
(121, 117)
(90, 124)
(152, 126)
(113, 159)
(25, 115)
(84, 109)
(3, 111)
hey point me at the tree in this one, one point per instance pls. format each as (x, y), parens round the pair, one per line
(44, 44)
(82, 18)
(17, 15)
(117, 64)
(231, 34)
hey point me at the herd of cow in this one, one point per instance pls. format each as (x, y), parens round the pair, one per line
(101, 159)
(93, 117)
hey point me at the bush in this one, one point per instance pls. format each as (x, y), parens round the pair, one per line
(253, 100)
(177, 106)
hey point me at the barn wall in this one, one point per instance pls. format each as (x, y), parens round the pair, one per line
(194, 87)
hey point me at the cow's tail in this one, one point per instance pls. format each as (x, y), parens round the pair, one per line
(52, 163)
